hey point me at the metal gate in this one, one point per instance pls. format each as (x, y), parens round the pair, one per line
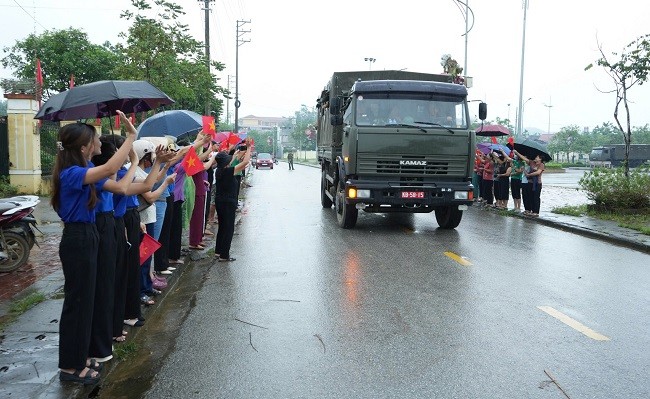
(4, 147)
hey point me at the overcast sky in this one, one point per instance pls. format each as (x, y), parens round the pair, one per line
(295, 45)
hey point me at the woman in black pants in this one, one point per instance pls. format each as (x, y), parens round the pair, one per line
(74, 198)
(226, 200)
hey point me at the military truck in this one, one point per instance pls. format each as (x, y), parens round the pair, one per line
(613, 155)
(395, 141)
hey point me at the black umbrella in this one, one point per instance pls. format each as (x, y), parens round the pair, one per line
(531, 148)
(492, 130)
(101, 99)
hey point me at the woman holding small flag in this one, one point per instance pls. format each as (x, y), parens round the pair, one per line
(226, 199)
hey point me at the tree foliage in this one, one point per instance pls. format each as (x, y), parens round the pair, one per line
(62, 53)
(629, 68)
(304, 131)
(161, 51)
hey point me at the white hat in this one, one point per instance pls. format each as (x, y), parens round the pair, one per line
(142, 148)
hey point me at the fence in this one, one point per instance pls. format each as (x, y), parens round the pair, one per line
(49, 132)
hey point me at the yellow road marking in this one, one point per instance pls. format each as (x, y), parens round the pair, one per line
(576, 325)
(458, 259)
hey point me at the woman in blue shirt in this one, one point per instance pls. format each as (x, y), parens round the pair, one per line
(74, 198)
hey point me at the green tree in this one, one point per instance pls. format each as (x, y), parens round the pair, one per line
(304, 132)
(62, 54)
(631, 67)
(161, 51)
(566, 140)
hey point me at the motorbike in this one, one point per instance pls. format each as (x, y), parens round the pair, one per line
(17, 225)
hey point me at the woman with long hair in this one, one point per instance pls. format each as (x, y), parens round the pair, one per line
(74, 198)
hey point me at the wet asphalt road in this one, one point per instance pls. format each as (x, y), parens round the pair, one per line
(397, 308)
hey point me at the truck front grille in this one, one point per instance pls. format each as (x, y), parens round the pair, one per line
(391, 165)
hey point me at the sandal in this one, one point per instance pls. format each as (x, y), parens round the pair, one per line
(94, 364)
(134, 322)
(208, 233)
(145, 300)
(119, 339)
(87, 379)
(226, 259)
(198, 247)
(176, 261)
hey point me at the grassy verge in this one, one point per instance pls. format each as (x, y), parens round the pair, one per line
(639, 221)
(125, 350)
(19, 307)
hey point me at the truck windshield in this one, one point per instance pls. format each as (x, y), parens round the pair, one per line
(386, 109)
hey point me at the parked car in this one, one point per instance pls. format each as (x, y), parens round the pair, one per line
(264, 159)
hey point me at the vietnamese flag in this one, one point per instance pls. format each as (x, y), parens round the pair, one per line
(148, 246)
(209, 126)
(494, 140)
(117, 122)
(191, 163)
(39, 82)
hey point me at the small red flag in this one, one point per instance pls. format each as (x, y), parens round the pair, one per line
(117, 122)
(192, 164)
(148, 246)
(39, 81)
(209, 126)
(494, 140)
(98, 122)
(72, 81)
(132, 118)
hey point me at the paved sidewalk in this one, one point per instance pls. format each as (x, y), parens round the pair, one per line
(29, 346)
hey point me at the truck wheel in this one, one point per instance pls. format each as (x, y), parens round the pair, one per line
(448, 217)
(346, 214)
(324, 199)
(16, 247)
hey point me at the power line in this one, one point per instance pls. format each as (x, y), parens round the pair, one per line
(30, 15)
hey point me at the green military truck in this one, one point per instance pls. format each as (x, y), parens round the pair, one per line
(613, 155)
(395, 141)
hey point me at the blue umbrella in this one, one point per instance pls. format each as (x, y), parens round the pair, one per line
(171, 123)
(499, 147)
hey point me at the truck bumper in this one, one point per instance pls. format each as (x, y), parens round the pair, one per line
(387, 197)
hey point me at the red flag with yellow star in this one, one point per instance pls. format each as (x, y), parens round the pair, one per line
(148, 246)
(209, 126)
(192, 164)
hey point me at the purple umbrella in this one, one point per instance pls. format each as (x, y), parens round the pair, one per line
(103, 98)
(492, 131)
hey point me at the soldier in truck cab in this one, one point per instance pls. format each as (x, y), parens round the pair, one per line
(437, 115)
(368, 113)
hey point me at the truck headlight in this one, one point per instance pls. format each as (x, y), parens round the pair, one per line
(363, 193)
(461, 195)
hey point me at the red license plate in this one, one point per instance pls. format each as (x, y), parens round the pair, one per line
(412, 194)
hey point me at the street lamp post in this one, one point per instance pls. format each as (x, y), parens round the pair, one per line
(521, 116)
(549, 106)
(521, 76)
(370, 61)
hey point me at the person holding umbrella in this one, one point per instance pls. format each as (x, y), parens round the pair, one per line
(74, 198)
(534, 177)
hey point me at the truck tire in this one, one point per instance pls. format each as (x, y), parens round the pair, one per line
(346, 214)
(448, 217)
(17, 249)
(324, 199)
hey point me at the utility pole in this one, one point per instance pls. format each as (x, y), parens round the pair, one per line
(206, 8)
(230, 81)
(238, 43)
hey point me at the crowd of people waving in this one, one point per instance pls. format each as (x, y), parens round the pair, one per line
(111, 193)
(499, 175)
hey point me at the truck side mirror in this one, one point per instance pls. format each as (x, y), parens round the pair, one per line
(335, 106)
(482, 111)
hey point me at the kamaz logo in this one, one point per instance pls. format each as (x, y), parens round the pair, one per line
(413, 163)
